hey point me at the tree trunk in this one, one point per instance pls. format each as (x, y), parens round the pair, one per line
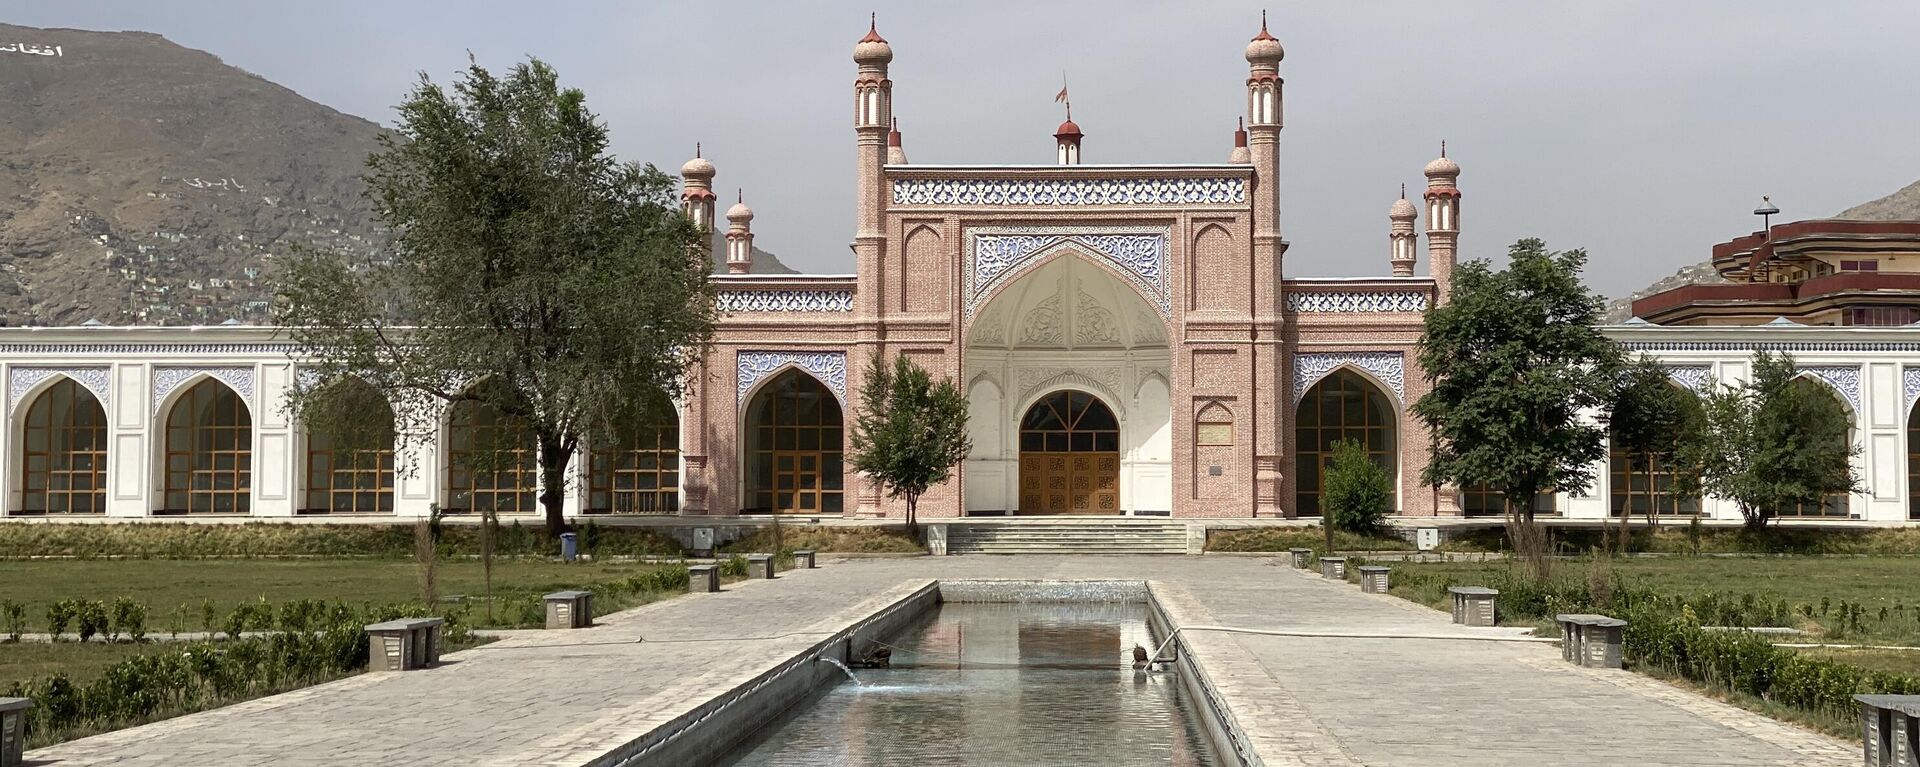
(554, 459)
(913, 521)
(1326, 526)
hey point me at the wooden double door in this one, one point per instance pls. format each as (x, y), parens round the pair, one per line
(1069, 456)
(1069, 483)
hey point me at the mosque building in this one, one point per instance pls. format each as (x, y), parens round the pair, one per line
(1126, 337)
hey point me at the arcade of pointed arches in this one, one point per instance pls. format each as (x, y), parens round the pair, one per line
(794, 434)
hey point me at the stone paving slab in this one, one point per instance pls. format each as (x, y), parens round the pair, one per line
(558, 698)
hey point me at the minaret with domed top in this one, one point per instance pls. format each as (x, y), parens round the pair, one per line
(872, 119)
(1268, 305)
(1443, 223)
(1402, 236)
(740, 237)
(697, 199)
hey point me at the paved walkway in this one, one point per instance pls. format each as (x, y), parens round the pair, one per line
(559, 698)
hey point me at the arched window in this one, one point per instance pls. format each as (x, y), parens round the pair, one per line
(209, 463)
(640, 474)
(492, 462)
(794, 458)
(352, 473)
(1342, 406)
(1069, 456)
(1913, 464)
(64, 452)
(1643, 484)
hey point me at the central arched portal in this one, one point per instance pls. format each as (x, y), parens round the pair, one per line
(1068, 402)
(1069, 456)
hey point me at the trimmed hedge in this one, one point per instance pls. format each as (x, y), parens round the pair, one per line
(284, 539)
(317, 642)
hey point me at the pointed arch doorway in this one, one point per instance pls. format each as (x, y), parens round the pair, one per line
(1069, 456)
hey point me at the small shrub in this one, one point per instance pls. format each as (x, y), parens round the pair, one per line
(60, 615)
(91, 618)
(1358, 493)
(129, 618)
(734, 566)
(15, 616)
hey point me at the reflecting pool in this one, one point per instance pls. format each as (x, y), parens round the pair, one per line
(997, 684)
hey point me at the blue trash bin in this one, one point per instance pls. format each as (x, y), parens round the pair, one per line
(569, 546)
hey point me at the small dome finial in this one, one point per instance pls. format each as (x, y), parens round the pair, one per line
(873, 48)
(696, 149)
(739, 195)
(1441, 167)
(1403, 190)
(1264, 50)
(1443, 147)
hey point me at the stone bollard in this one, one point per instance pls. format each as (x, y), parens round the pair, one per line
(569, 609)
(937, 540)
(1593, 641)
(760, 566)
(13, 730)
(1373, 578)
(803, 559)
(1890, 728)
(703, 579)
(404, 644)
(1334, 567)
(1301, 558)
(1473, 605)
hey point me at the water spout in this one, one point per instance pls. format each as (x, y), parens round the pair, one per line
(843, 668)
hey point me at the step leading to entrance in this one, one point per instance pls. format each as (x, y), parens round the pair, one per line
(1067, 535)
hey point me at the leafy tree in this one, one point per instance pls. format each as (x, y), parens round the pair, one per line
(1775, 442)
(1357, 493)
(521, 255)
(911, 430)
(1514, 360)
(1654, 423)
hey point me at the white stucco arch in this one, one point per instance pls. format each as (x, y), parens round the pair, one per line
(163, 413)
(17, 428)
(1068, 322)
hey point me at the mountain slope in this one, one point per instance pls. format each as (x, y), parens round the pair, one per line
(142, 182)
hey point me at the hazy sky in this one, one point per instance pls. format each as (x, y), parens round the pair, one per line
(1643, 131)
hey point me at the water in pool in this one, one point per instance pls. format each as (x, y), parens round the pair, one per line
(997, 684)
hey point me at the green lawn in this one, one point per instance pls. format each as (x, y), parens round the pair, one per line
(165, 585)
(81, 662)
(1874, 583)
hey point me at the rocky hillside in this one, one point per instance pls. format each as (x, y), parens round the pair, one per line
(144, 182)
(1903, 205)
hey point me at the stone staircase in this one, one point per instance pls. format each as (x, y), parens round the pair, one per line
(1067, 535)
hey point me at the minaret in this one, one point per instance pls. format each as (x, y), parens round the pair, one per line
(1239, 155)
(740, 237)
(1066, 140)
(1263, 125)
(1401, 235)
(1268, 359)
(697, 199)
(872, 116)
(1443, 223)
(895, 154)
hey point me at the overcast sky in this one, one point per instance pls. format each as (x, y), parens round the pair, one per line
(1642, 131)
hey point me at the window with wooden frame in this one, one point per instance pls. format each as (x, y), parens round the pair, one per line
(640, 474)
(209, 453)
(1342, 406)
(492, 462)
(352, 473)
(63, 457)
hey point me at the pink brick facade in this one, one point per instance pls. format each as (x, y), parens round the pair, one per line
(1159, 290)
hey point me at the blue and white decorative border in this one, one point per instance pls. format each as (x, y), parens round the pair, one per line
(166, 379)
(1770, 346)
(1357, 302)
(994, 255)
(1698, 378)
(22, 379)
(1909, 386)
(1844, 379)
(752, 367)
(784, 301)
(1069, 192)
(1389, 367)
